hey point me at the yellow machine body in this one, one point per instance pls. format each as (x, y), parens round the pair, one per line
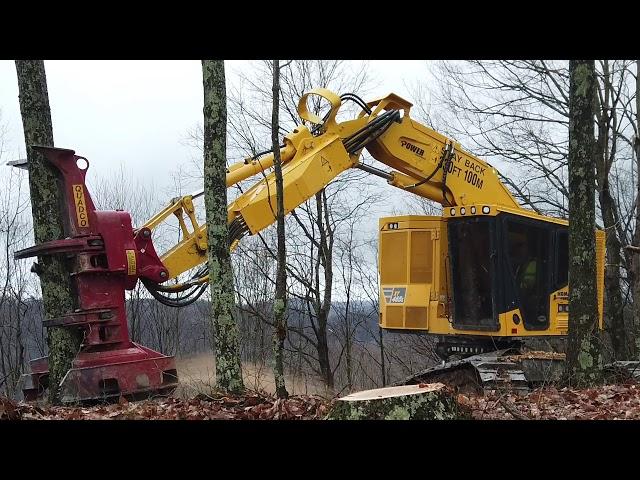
(417, 282)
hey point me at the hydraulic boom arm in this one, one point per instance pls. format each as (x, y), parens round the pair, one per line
(424, 162)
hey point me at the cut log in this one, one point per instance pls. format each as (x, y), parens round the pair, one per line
(432, 401)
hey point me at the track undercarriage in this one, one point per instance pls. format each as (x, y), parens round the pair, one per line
(513, 368)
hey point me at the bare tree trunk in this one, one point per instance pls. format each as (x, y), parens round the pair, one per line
(382, 366)
(636, 240)
(325, 256)
(323, 349)
(584, 361)
(348, 340)
(347, 269)
(605, 150)
(225, 329)
(46, 196)
(280, 301)
(613, 311)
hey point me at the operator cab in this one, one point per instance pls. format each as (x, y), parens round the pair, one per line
(478, 270)
(502, 263)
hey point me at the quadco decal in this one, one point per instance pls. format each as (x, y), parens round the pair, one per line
(394, 295)
(81, 206)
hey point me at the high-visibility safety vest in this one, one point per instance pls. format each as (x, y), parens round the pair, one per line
(528, 275)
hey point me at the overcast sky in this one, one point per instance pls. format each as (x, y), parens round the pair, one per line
(137, 113)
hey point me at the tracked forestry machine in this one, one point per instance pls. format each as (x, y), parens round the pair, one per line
(482, 278)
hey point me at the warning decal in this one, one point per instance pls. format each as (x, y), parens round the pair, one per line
(131, 262)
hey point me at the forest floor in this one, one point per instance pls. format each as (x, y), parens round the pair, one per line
(609, 402)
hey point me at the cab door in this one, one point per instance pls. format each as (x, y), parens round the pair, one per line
(527, 269)
(472, 255)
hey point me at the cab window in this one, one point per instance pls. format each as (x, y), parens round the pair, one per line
(528, 256)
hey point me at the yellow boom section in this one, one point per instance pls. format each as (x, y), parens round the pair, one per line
(426, 163)
(417, 151)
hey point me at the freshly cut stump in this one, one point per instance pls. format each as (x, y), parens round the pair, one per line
(433, 401)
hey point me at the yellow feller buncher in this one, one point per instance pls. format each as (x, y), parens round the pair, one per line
(481, 279)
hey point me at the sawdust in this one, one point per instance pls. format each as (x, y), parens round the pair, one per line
(535, 355)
